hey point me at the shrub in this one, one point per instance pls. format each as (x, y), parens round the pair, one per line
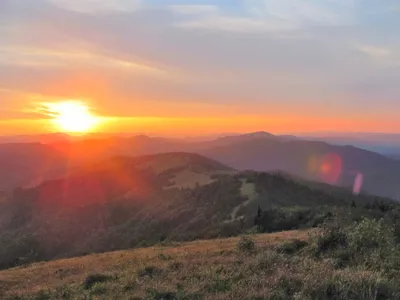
(175, 266)
(162, 256)
(149, 271)
(99, 289)
(348, 285)
(370, 234)
(92, 279)
(369, 243)
(332, 236)
(43, 295)
(219, 286)
(266, 260)
(292, 247)
(156, 295)
(246, 244)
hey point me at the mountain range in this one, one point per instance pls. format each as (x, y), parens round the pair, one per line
(27, 164)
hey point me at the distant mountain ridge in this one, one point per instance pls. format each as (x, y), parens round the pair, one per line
(260, 151)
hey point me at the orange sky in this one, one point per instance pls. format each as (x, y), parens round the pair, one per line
(180, 126)
(196, 68)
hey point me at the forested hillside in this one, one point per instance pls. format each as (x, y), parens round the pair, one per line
(126, 203)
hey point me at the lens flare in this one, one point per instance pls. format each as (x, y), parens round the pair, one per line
(327, 168)
(358, 182)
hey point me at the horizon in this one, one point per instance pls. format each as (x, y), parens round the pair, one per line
(191, 68)
(310, 134)
(382, 143)
(321, 134)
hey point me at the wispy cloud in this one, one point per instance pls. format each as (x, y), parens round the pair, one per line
(267, 15)
(236, 24)
(34, 56)
(303, 13)
(375, 51)
(383, 54)
(193, 9)
(98, 6)
(212, 17)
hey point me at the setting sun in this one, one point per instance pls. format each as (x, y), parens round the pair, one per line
(73, 116)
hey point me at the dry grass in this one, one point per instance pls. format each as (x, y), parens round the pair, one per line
(53, 274)
(210, 269)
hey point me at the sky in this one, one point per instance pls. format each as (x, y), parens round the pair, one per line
(200, 67)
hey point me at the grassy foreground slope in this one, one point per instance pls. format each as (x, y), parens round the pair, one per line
(286, 265)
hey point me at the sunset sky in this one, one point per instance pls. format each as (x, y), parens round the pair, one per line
(200, 67)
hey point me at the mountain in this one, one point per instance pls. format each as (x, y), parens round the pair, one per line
(93, 150)
(128, 202)
(261, 151)
(314, 160)
(382, 143)
(28, 164)
(395, 156)
(41, 138)
(139, 177)
(249, 137)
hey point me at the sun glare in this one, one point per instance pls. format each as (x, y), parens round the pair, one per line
(73, 116)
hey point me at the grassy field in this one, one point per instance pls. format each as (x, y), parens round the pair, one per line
(168, 266)
(268, 266)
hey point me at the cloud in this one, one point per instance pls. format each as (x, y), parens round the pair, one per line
(388, 55)
(236, 24)
(228, 54)
(375, 51)
(193, 9)
(268, 15)
(98, 6)
(35, 56)
(311, 12)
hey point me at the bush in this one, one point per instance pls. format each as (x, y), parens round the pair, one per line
(156, 295)
(292, 246)
(175, 266)
(348, 285)
(369, 243)
(219, 286)
(149, 271)
(99, 289)
(92, 279)
(370, 234)
(162, 256)
(43, 295)
(332, 236)
(246, 244)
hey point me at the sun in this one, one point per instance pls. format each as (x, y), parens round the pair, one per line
(73, 116)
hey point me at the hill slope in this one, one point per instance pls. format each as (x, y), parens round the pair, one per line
(284, 265)
(318, 161)
(123, 203)
(24, 165)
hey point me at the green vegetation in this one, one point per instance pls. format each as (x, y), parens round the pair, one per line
(94, 279)
(350, 260)
(35, 230)
(245, 244)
